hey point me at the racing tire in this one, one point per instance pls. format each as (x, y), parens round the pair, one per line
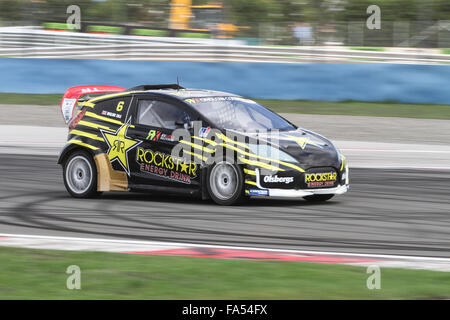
(319, 197)
(225, 183)
(80, 175)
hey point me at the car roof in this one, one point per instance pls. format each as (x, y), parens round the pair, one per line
(171, 90)
(189, 93)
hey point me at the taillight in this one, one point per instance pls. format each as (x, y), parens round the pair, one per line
(77, 119)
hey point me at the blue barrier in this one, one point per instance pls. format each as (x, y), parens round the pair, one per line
(307, 81)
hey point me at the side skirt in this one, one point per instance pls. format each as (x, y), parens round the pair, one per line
(188, 191)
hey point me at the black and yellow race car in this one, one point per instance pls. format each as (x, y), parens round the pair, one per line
(211, 144)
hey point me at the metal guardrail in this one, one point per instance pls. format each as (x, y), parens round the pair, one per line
(23, 37)
(42, 44)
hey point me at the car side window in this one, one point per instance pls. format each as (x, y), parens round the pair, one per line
(160, 114)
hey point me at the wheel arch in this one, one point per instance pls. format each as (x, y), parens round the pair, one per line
(108, 179)
(71, 148)
(67, 154)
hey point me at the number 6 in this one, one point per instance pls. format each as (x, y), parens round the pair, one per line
(120, 106)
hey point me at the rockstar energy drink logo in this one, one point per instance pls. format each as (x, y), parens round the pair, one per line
(320, 179)
(165, 165)
(118, 146)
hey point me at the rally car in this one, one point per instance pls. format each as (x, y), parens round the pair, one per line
(210, 144)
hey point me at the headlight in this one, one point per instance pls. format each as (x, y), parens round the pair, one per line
(267, 151)
(344, 169)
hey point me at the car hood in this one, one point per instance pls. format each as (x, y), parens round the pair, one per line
(308, 148)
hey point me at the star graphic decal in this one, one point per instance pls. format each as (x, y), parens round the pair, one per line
(119, 145)
(302, 141)
(184, 167)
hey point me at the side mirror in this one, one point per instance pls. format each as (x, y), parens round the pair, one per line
(184, 122)
(179, 123)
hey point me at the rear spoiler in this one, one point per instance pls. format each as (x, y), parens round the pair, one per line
(71, 96)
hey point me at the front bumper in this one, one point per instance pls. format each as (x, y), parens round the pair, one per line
(293, 193)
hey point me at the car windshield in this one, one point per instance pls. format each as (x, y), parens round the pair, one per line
(238, 114)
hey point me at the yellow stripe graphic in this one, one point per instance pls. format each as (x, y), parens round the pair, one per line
(196, 146)
(82, 144)
(251, 172)
(343, 161)
(227, 145)
(96, 116)
(213, 143)
(287, 164)
(253, 183)
(196, 155)
(225, 139)
(88, 104)
(260, 164)
(85, 134)
(111, 96)
(94, 125)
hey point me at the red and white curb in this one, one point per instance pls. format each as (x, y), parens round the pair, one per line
(221, 252)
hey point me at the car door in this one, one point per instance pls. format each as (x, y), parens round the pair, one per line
(155, 118)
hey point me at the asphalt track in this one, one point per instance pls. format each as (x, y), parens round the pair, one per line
(404, 212)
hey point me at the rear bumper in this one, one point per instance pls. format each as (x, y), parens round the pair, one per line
(293, 193)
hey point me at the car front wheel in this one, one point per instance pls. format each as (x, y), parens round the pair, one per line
(80, 175)
(225, 183)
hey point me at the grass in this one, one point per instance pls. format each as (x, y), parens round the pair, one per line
(356, 108)
(40, 274)
(353, 108)
(367, 48)
(37, 99)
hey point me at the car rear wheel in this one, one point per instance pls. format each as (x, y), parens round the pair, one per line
(225, 183)
(80, 175)
(319, 197)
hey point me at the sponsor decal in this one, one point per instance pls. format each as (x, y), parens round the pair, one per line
(153, 135)
(156, 135)
(77, 119)
(67, 108)
(320, 179)
(167, 137)
(164, 165)
(181, 93)
(89, 90)
(277, 179)
(192, 100)
(119, 145)
(258, 192)
(111, 114)
(214, 99)
(203, 132)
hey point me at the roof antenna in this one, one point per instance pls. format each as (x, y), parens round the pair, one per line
(178, 83)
